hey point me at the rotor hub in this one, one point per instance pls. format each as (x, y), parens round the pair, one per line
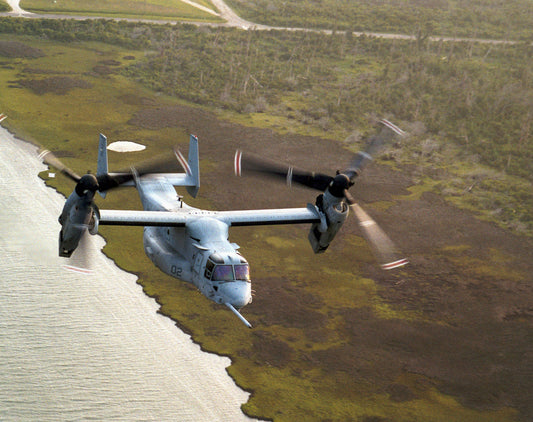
(88, 183)
(339, 185)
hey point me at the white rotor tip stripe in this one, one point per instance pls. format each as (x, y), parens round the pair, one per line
(395, 264)
(237, 163)
(366, 155)
(2, 117)
(289, 177)
(393, 127)
(43, 154)
(183, 162)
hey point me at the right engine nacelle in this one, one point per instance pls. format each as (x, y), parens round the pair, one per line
(333, 213)
(94, 222)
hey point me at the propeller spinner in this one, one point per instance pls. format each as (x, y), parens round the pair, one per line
(336, 192)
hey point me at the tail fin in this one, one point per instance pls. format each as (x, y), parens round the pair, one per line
(102, 160)
(191, 167)
(191, 178)
(194, 166)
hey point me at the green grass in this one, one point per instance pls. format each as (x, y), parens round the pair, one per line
(153, 9)
(481, 18)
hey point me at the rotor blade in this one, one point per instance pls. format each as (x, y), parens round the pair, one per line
(384, 249)
(374, 145)
(50, 159)
(163, 164)
(183, 162)
(278, 171)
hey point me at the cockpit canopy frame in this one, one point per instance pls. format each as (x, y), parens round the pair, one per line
(216, 269)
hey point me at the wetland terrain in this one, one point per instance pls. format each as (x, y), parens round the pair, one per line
(447, 338)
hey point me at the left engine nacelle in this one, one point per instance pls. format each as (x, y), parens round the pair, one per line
(77, 216)
(333, 213)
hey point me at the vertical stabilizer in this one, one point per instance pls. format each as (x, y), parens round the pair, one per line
(194, 166)
(102, 160)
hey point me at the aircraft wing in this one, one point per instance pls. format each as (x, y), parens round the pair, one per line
(231, 218)
(270, 216)
(142, 218)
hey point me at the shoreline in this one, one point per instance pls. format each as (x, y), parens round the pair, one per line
(5, 132)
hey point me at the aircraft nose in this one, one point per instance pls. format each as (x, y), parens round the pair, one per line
(237, 293)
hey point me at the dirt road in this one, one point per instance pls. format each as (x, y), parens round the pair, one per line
(233, 20)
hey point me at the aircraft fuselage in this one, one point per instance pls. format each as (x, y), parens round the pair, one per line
(199, 253)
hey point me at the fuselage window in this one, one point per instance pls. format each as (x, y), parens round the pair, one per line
(209, 268)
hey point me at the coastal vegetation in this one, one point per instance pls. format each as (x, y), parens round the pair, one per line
(452, 18)
(467, 105)
(331, 341)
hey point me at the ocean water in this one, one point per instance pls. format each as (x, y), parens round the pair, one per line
(76, 347)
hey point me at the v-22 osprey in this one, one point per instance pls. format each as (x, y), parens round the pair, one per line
(193, 244)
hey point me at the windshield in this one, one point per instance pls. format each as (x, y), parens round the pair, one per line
(223, 273)
(227, 272)
(242, 272)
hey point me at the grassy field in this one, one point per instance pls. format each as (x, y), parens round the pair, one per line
(454, 18)
(153, 9)
(334, 339)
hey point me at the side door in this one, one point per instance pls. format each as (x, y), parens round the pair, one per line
(198, 269)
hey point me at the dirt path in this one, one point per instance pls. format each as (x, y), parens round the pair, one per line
(233, 20)
(17, 10)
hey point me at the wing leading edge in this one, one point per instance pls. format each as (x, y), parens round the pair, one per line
(231, 218)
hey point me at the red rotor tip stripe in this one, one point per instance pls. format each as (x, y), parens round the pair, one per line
(395, 264)
(393, 127)
(77, 269)
(237, 163)
(183, 162)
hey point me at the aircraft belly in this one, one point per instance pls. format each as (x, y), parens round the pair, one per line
(166, 258)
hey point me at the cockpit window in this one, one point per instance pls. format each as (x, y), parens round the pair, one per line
(223, 273)
(216, 270)
(242, 272)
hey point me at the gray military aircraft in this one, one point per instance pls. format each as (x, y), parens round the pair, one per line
(192, 244)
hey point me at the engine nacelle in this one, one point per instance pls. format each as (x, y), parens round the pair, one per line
(78, 215)
(94, 222)
(333, 212)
